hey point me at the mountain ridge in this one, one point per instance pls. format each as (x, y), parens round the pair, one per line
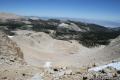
(105, 23)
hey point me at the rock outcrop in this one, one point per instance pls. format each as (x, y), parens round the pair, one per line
(9, 51)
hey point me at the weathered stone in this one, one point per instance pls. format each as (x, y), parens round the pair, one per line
(68, 72)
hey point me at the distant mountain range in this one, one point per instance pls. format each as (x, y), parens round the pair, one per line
(87, 32)
(99, 22)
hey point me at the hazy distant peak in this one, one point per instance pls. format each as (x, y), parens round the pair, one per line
(4, 15)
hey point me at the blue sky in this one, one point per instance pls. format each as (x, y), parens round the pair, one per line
(91, 9)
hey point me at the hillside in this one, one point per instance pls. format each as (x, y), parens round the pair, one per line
(39, 47)
(87, 34)
(12, 63)
(113, 48)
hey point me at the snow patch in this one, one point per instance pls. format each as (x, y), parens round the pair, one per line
(115, 65)
(63, 25)
(48, 64)
(37, 77)
(10, 36)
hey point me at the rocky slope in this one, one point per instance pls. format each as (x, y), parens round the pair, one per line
(12, 64)
(39, 48)
(9, 51)
(113, 48)
(12, 69)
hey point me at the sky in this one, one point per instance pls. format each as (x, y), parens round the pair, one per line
(88, 9)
